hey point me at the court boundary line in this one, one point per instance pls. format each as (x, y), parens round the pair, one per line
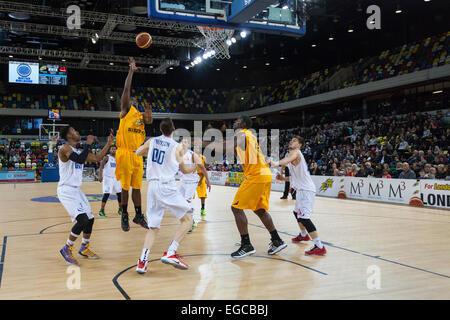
(2, 261)
(367, 255)
(115, 280)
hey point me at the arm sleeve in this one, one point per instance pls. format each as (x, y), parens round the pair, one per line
(80, 158)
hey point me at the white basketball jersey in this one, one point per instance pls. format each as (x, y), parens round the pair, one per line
(70, 173)
(110, 167)
(161, 159)
(300, 177)
(190, 177)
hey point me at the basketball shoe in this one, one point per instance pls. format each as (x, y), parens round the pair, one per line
(85, 252)
(67, 254)
(202, 212)
(276, 246)
(125, 223)
(316, 251)
(299, 238)
(102, 213)
(140, 220)
(243, 251)
(141, 266)
(119, 212)
(174, 260)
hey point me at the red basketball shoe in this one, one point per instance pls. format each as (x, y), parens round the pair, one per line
(315, 251)
(299, 238)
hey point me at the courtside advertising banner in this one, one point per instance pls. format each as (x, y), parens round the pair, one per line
(386, 190)
(218, 178)
(328, 186)
(23, 72)
(17, 176)
(435, 193)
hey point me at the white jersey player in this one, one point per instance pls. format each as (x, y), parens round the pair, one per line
(301, 181)
(71, 163)
(107, 177)
(164, 159)
(189, 182)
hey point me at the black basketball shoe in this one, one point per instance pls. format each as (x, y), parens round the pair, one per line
(243, 251)
(276, 246)
(140, 220)
(125, 223)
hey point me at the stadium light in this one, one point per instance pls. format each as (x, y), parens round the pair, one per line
(399, 10)
(350, 30)
(228, 42)
(243, 34)
(233, 40)
(186, 67)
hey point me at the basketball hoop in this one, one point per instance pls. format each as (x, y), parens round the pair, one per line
(216, 40)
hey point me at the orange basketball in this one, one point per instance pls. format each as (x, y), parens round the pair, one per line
(143, 40)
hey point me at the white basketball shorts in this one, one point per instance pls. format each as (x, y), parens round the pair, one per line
(163, 196)
(111, 185)
(74, 201)
(304, 204)
(187, 190)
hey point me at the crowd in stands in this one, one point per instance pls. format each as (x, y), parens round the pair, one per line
(17, 154)
(427, 53)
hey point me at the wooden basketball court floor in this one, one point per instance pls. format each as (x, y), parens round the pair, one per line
(375, 251)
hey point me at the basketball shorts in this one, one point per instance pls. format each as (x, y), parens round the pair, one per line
(129, 169)
(304, 204)
(163, 196)
(74, 201)
(187, 190)
(111, 185)
(252, 196)
(201, 189)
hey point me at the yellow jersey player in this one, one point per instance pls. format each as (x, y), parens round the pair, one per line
(201, 188)
(130, 136)
(254, 192)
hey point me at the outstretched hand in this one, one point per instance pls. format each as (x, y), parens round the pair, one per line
(132, 63)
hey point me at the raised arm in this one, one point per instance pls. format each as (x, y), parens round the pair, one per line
(126, 95)
(98, 157)
(100, 170)
(143, 150)
(290, 158)
(147, 113)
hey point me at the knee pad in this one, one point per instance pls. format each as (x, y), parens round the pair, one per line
(88, 227)
(105, 197)
(82, 221)
(307, 223)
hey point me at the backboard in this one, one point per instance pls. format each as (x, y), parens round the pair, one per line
(285, 17)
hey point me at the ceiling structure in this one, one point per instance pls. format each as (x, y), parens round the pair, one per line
(37, 29)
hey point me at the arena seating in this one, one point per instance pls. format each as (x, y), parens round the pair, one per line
(427, 53)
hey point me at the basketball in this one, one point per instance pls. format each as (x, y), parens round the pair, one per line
(143, 40)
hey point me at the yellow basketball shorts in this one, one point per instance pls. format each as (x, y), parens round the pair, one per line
(201, 190)
(129, 169)
(252, 196)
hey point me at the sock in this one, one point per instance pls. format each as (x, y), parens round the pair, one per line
(69, 242)
(245, 239)
(318, 243)
(144, 254)
(303, 233)
(85, 241)
(274, 235)
(203, 206)
(138, 211)
(173, 248)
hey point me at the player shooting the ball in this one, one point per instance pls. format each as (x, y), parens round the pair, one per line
(129, 138)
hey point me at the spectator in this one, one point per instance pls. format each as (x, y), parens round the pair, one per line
(386, 174)
(407, 173)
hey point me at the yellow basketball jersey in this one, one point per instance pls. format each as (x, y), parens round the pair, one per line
(199, 172)
(253, 162)
(131, 133)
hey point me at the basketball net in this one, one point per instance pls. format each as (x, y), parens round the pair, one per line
(216, 40)
(52, 144)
